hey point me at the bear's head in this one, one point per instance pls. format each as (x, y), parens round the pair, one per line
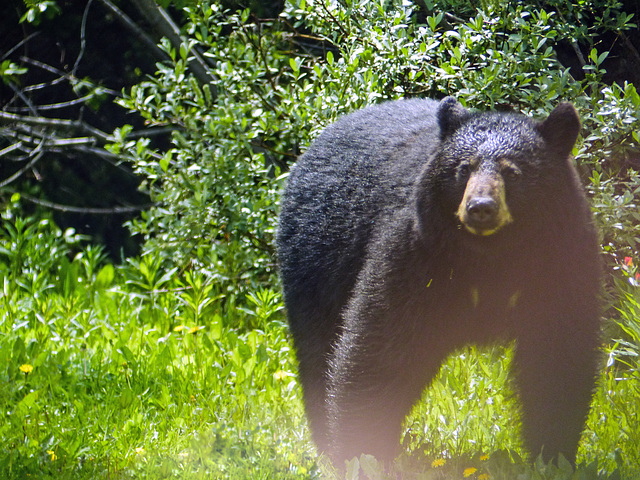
(493, 169)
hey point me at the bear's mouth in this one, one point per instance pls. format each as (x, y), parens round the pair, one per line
(482, 232)
(483, 225)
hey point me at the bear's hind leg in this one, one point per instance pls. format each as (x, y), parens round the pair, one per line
(312, 374)
(313, 327)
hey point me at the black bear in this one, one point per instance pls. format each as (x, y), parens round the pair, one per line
(414, 227)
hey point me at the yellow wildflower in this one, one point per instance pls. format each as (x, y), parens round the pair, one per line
(26, 368)
(280, 375)
(178, 328)
(438, 462)
(195, 329)
(484, 458)
(53, 455)
(484, 476)
(139, 451)
(469, 471)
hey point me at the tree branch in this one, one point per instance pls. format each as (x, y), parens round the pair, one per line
(630, 46)
(162, 23)
(23, 170)
(57, 106)
(57, 123)
(93, 211)
(139, 33)
(63, 75)
(18, 45)
(16, 146)
(83, 38)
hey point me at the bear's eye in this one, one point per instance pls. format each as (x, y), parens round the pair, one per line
(511, 172)
(464, 170)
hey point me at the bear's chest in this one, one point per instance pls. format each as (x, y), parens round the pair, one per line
(481, 301)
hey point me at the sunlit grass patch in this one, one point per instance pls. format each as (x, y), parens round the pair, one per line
(109, 378)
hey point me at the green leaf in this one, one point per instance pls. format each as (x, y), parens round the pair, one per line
(105, 277)
(128, 356)
(330, 57)
(353, 469)
(602, 57)
(28, 402)
(216, 327)
(165, 160)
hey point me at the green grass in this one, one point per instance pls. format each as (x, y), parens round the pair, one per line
(134, 371)
(111, 396)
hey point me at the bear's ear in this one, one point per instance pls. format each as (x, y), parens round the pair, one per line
(561, 128)
(451, 114)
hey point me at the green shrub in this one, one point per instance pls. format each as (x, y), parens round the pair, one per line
(280, 81)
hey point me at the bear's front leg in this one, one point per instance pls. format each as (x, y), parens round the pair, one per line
(377, 375)
(556, 363)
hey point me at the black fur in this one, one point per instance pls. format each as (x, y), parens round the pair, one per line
(381, 281)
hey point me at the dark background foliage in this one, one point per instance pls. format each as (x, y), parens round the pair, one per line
(78, 57)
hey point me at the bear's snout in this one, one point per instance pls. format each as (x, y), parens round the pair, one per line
(483, 212)
(483, 209)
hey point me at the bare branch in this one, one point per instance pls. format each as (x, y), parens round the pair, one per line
(56, 106)
(269, 149)
(23, 97)
(58, 123)
(83, 39)
(18, 45)
(30, 137)
(574, 44)
(140, 34)
(112, 158)
(39, 86)
(454, 18)
(69, 142)
(94, 211)
(152, 132)
(63, 75)
(23, 170)
(630, 46)
(52, 143)
(579, 56)
(24, 129)
(11, 148)
(162, 23)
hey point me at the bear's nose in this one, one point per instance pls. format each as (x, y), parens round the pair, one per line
(482, 211)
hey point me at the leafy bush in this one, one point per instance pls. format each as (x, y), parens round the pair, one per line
(280, 81)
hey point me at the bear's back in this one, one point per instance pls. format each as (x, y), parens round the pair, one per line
(362, 166)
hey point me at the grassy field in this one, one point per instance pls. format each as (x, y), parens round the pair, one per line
(131, 371)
